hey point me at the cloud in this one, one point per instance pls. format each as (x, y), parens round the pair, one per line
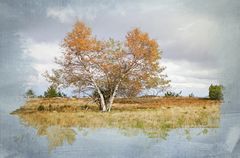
(187, 27)
(184, 38)
(187, 38)
(63, 14)
(42, 54)
(189, 77)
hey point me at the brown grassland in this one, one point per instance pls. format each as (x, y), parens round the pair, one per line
(153, 116)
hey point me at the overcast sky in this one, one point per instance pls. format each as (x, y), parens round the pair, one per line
(190, 34)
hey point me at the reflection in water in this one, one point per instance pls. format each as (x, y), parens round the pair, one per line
(61, 129)
(57, 135)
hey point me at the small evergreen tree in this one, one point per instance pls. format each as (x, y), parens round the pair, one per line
(51, 92)
(215, 92)
(30, 94)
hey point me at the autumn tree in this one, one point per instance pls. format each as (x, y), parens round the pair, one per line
(108, 67)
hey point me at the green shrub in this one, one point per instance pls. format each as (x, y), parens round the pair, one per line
(30, 94)
(40, 108)
(215, 92)
(52, 92)
(172, 94)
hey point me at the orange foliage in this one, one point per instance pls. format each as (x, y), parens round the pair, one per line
(109, 65)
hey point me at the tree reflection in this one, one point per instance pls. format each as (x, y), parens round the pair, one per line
(58, 127)
(57, 135)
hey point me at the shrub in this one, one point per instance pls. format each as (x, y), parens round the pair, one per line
(30, 94)
(172, 94)
(50, 108)
(52, 92)
(191, 95)
(215, 92)
(40, 108)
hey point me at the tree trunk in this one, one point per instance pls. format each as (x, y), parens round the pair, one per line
(109, 106)
(102, 100)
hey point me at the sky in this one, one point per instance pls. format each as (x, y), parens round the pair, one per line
(191, 34)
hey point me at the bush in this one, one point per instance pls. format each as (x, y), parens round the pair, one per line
(52, 92)
(30, 94)
(215, 92)
(40, 108)
(172, 94)
(191, 95)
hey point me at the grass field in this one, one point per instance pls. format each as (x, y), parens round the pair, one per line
(153, 116)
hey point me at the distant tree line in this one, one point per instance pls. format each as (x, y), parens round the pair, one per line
(51, 92)
(215, 93)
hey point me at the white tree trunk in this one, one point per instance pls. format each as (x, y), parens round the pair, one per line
(109, 106)
(102, 101)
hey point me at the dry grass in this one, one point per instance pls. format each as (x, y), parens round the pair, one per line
(153, 116)
(157, 102)
(122, 104)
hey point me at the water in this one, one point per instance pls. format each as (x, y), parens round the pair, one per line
(21, 140)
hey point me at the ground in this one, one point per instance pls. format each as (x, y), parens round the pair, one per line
(154, 116)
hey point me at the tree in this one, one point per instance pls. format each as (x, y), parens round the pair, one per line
(108, 66)
(216, 92)
(30, 94)
(51, 92)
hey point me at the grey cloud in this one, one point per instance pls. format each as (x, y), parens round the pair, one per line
(200, 44)
(113, 19)
(226, 44)
(217, 9)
